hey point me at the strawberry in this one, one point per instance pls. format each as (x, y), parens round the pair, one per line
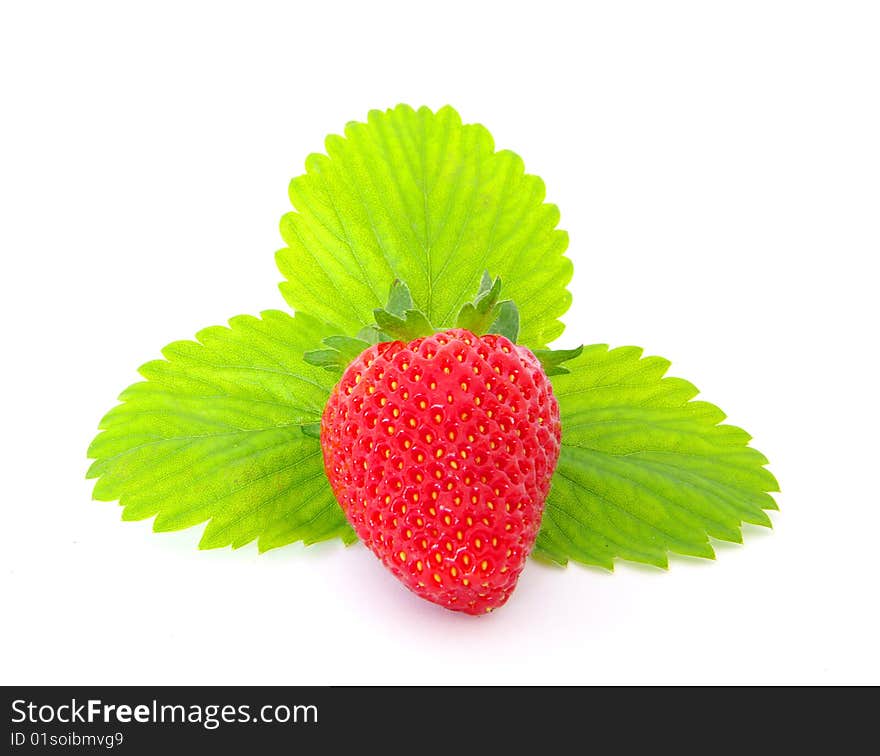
(440, 451)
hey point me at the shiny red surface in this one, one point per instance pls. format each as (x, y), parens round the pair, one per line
(440, 452)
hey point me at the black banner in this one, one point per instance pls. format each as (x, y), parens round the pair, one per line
(410, 720)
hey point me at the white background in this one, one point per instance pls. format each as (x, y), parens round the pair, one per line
(718, 168)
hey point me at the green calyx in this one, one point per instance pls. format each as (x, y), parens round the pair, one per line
(552, 359)
(487, 313)
(401, 320)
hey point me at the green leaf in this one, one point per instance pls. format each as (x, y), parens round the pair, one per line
(419, 197)
(645, 470)
(225, 430)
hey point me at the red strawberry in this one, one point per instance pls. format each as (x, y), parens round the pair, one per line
(440, 452)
